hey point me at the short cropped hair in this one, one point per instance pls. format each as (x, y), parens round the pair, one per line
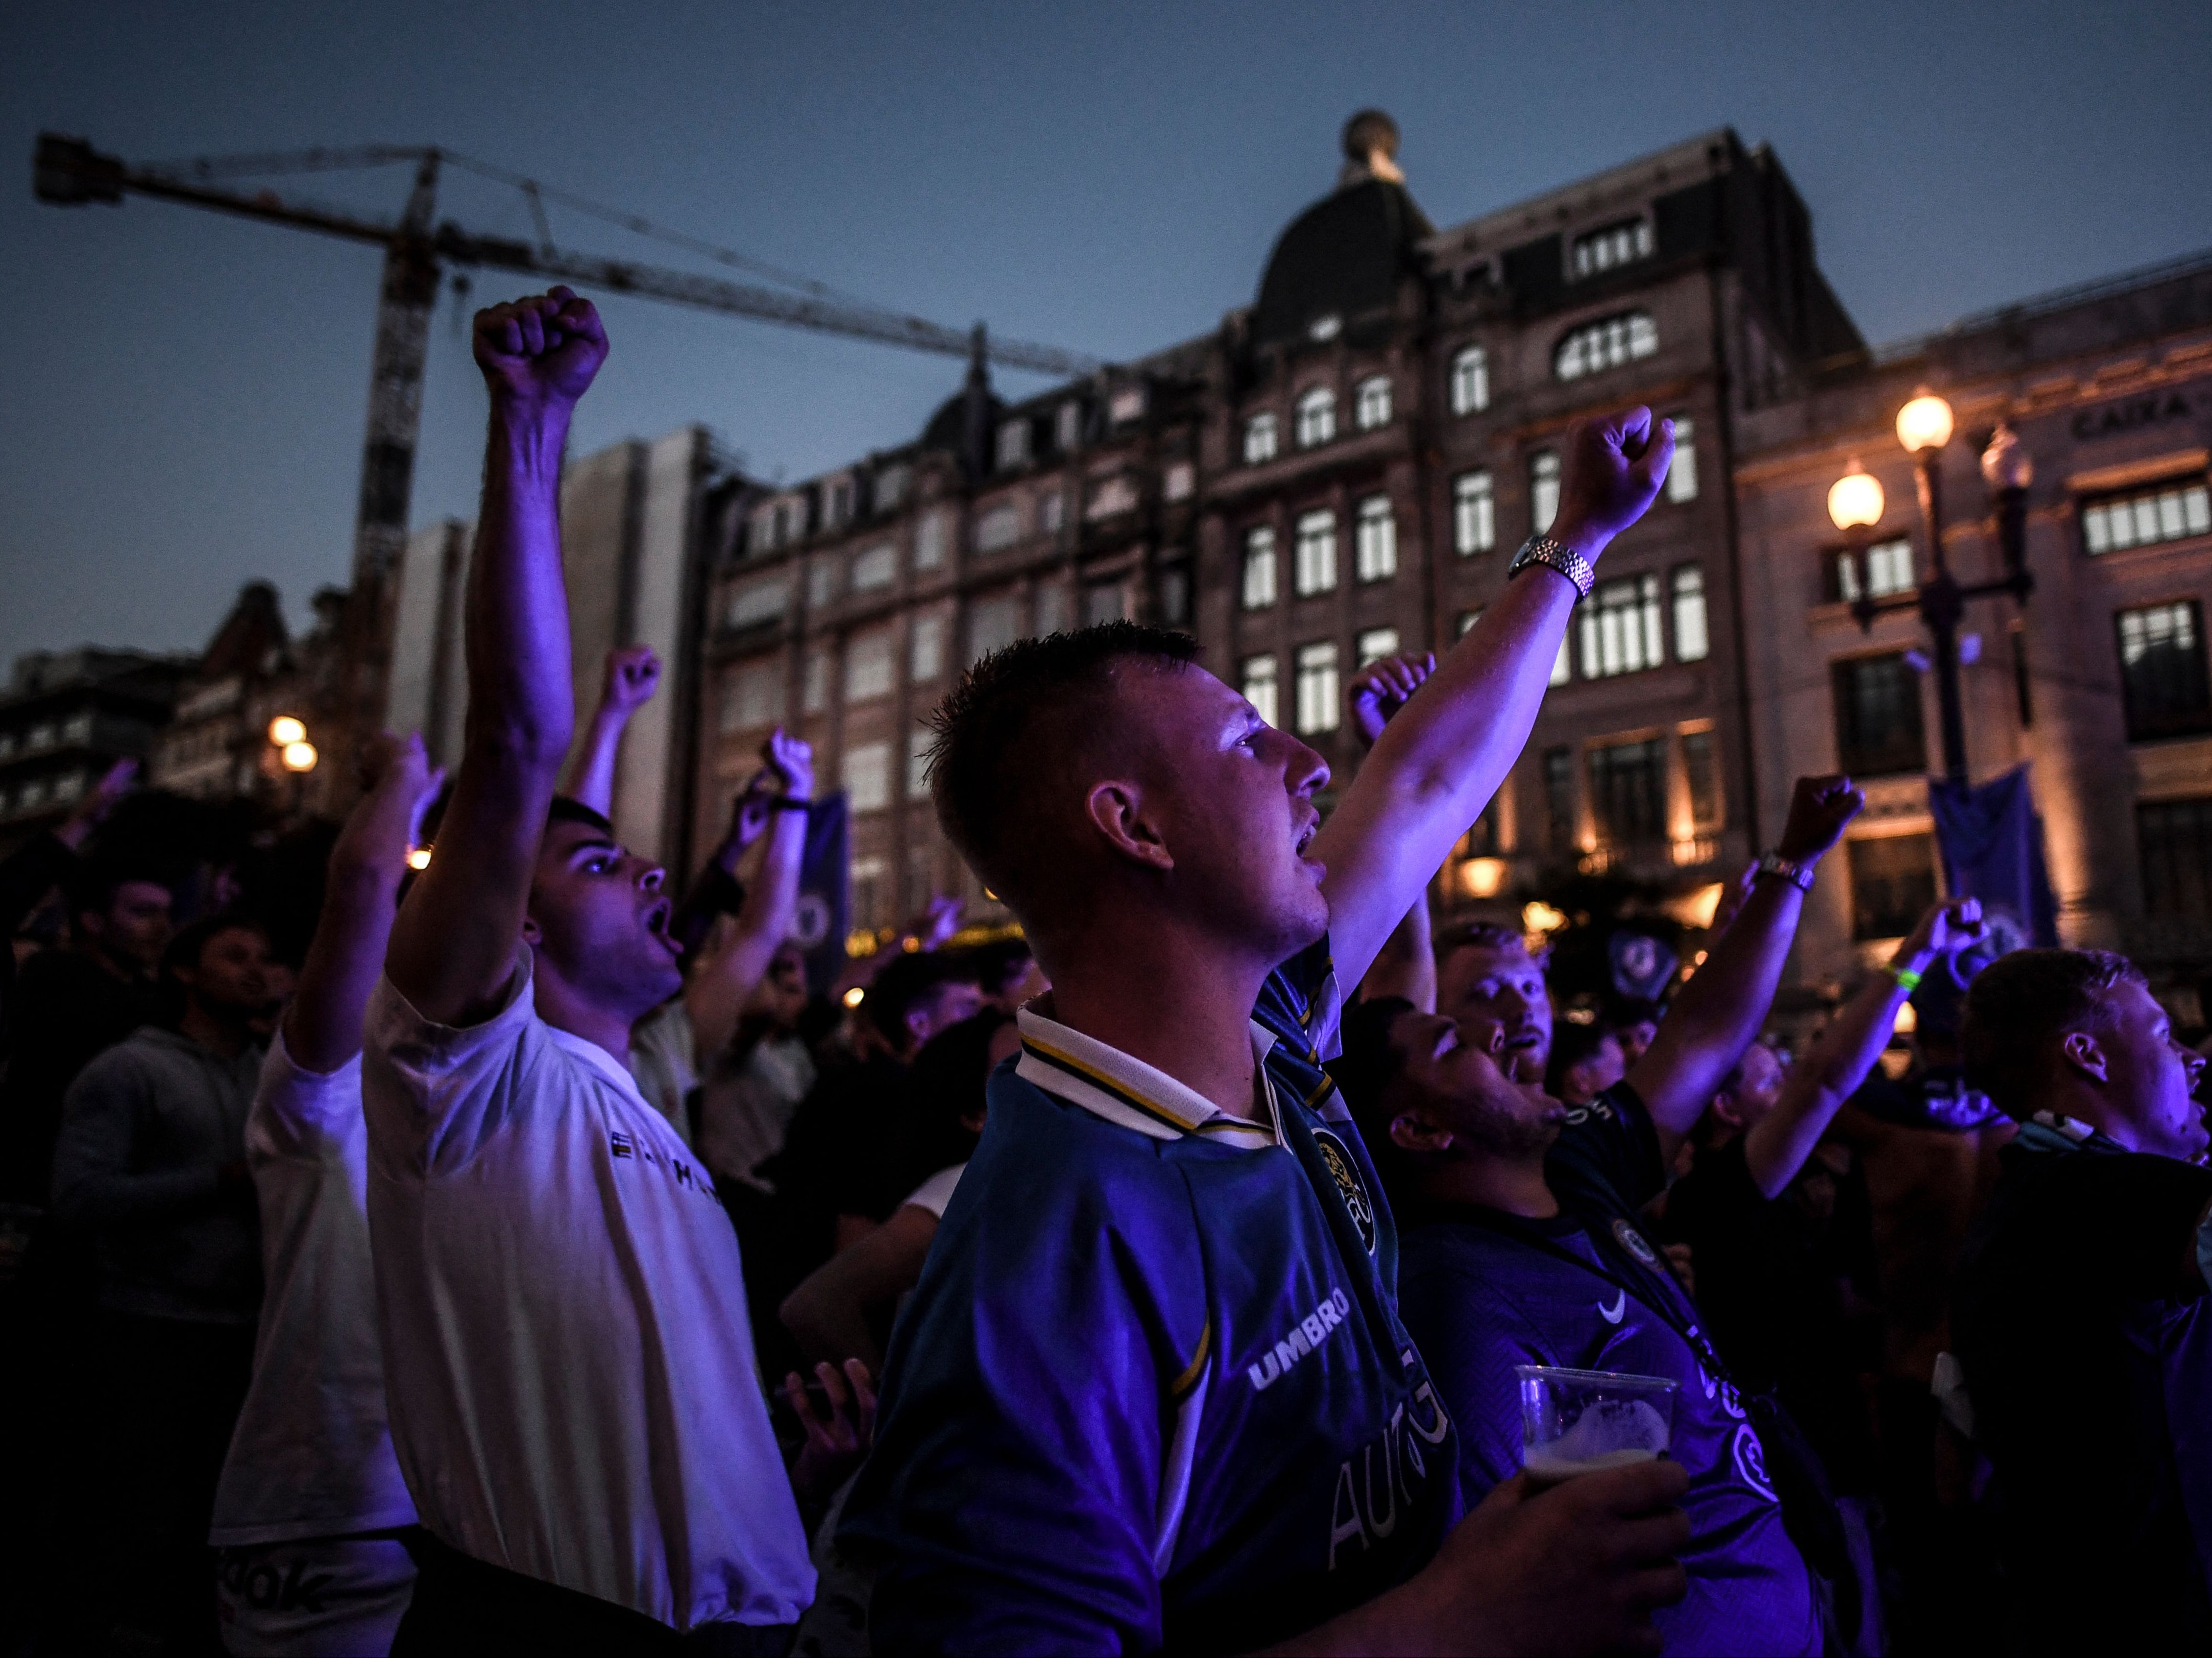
(1011, 714)
(2018, 1002)
(904, 982)
(1483, 935)
(91, 887)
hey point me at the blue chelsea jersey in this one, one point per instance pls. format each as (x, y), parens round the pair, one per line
(1152, 1388)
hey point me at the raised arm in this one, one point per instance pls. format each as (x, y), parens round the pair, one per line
(322, 1027)
(1777, 1145)
(1406, 964)
(722, 980)
(452, 946)
(1716, 1015)
(1435, 769)
(632, 674)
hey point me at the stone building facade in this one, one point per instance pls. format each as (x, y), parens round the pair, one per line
(2099, 682)
(1339, 470)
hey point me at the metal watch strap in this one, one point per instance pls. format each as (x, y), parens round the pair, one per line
(1798, 875)
(1557, 557)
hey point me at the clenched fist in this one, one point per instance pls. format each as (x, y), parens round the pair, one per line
(1615, 464)
(1821, 809)
(1382, 688)
(540, 352)
(633, 674)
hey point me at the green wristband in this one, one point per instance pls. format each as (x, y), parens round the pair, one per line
(1907, 977)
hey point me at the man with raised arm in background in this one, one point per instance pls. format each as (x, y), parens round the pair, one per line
(1152, 1390)
(566, 1347)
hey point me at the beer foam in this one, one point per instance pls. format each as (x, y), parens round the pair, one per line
(1610, 1433)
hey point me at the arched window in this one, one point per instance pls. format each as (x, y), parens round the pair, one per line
(1317, 417)
(1370, 405)
(1598, 346)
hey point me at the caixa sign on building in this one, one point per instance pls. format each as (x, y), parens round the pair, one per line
(2130, 415)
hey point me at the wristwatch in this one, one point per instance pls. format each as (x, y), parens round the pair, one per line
(790, 803)
(1554, 556)
(1798, 875)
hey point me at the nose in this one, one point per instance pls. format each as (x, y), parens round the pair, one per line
(650, 877)
(1306, 771)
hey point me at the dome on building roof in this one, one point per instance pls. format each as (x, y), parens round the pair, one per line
(1341, 258)
(948, 427)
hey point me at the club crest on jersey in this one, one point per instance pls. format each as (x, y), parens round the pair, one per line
(1337, 1158)
(1632, 1241)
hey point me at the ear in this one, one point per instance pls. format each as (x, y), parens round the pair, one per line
(2085, 1053)
(532, 934)
(1116, 810)
(1724, 1109)
(973, 1122)
(1411, 1132)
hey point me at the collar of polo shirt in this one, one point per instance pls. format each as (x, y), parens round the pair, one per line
(1124, 1089)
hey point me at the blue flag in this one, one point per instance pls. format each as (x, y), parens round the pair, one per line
(1991, 843)
(824, 913)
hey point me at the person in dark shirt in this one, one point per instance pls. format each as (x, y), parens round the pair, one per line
(2081, 1317)
(1525, 1240)
(1152, 1391)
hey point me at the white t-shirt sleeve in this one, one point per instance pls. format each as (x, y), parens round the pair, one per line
(434, 1093)
(297, 1112)
(936, 1192)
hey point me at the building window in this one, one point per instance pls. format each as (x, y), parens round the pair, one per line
(1067, 425)
(2175, 840)
(1052, 512)
(1470, 381)
(1316, 553)
(1682, 470)
(1375, 644)
(875, 567)
(999, 528)
(1620, 628)
(929, 542)
(1111, 495)
(1052, 609)
(758, 602)
(1259, 567)
(837, 503)
(821, 582)
(994, 623)
(1181, 479)
(1878, 729)
(1375, 542)
(925, 648)
(77, 728)
(867, 775)
(753, 696)
(869, 888)
(1126, 405)
(890, 488)
(69, 785)
(1259, 677)
(1370, 406)
(1560, 799)
(1317, 691)
(2146, 517)
(2162, 669)
(1612, 247)
(1562, 668)
(1884, 568)
(1475, 513)
(1701, 771)
(1317, 417)
(1258, 439)
(868, 666)
(1014, 443)
(1892, 883)
(1691, 641)
(814, 693)
(917, 766)
(1465, 623)
(1628, 792)
(1543, 489)
(1104, 602)
(1174, 595)
(1598, 346)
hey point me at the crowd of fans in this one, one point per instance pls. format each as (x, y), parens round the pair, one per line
(515, 1259)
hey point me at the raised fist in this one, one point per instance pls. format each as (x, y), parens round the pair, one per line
(1953, 926)
(1820, 810)
(792, 759)
(540, 352)
(633, 674)
(400, 783)
(1615, 464)
(1382, 688)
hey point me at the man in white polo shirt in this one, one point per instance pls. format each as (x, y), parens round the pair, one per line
(566, 1347)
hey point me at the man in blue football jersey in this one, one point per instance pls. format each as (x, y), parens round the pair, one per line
(1152, 1389)
(1525, 1243)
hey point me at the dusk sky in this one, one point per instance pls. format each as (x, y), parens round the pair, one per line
(183, 397)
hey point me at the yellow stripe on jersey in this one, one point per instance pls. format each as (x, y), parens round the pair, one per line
(1106, 1085)
(1196, 1368)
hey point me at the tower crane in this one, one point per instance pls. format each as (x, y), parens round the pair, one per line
(69, 173)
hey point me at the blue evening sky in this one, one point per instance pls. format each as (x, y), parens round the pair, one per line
(182, 405)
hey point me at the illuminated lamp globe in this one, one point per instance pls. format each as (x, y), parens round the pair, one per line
(1923, 423)
(300, 756)
(284, 731)
(1855, 500)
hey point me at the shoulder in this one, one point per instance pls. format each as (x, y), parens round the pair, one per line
(1299, 1001)
(136, 1058)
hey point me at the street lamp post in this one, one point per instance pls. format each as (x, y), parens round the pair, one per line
(1923, 427)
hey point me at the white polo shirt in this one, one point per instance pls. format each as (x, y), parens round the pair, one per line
(311, 1453)
(567, 1353)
